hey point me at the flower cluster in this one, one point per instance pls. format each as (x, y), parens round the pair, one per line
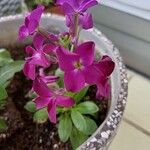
(76, 61)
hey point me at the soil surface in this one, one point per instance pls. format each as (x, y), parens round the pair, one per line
(23, 133)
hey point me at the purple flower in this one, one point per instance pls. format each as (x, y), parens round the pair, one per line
(47, 79)
(80, 68)
(85, 22)
(106, 67)
(50, 99)
(76, 65)
(76, 6)
(103, 89)
(99, 71)
(37, 56)
(31, 23)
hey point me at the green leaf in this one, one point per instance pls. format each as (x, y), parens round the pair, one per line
(59, 110)
(3, 93)
(6, 84)
(87, 107)
(3, 125)
(44, 2)
(30, 106)
(79, 96)
(91, 126)
(2, 104)
(78, 120)
(5, 57)
(40, 116)
(70, 94)
(77, 138)
(31, 95)
(60, 74)
(8, 71)
(65, 128)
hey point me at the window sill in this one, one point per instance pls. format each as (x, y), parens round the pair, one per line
(139, 9)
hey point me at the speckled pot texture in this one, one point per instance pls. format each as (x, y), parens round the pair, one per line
(8, 7)
(104, 135)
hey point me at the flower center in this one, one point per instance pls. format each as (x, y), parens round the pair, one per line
(37, 55)
(78, 65)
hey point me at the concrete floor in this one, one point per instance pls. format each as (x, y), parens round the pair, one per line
(134, 131)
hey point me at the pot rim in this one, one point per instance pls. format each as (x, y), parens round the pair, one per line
(107, 130)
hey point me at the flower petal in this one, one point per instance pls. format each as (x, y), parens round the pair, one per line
(49, 48)
(64, 101)
(53, 37)
(106, 65)
(49, 79)
(60, 2)
(70, 24)
(67, 8)
(23, 32)
(69, 20)
(92, 75)
(86, 52)
(74, 80)
(103, 89)
(86, 21)
(41, 102)
(29, 70)
(85, 4)
(36, 13)
(66, 59)
(30, 50)
(41, 88)
(32, 26)
(52, 111)
(40, 59)
(38, 41)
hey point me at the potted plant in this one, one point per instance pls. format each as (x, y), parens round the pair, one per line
(70, 80)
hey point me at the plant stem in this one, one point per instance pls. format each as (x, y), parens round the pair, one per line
(76, 22)
(76, 32)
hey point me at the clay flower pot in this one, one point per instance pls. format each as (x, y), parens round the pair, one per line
(104, 135)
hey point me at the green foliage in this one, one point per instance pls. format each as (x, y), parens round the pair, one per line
(30, 106)
(79, 96)
(77, 138)
(44, 2)
(87, 107)
(65, 128)
(5, 57)
(31, 95)
(78, 120)
(3, 93)
(40, 116)
(65, 41)
(91, 126)
(8, 71)
(75, 124)
(3, 125)
(59, 110)
(2, 104)
(78, 126)
(60, 74)
(8, 67)
(32, 3)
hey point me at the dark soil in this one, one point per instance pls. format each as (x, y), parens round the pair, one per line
(23, 133)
